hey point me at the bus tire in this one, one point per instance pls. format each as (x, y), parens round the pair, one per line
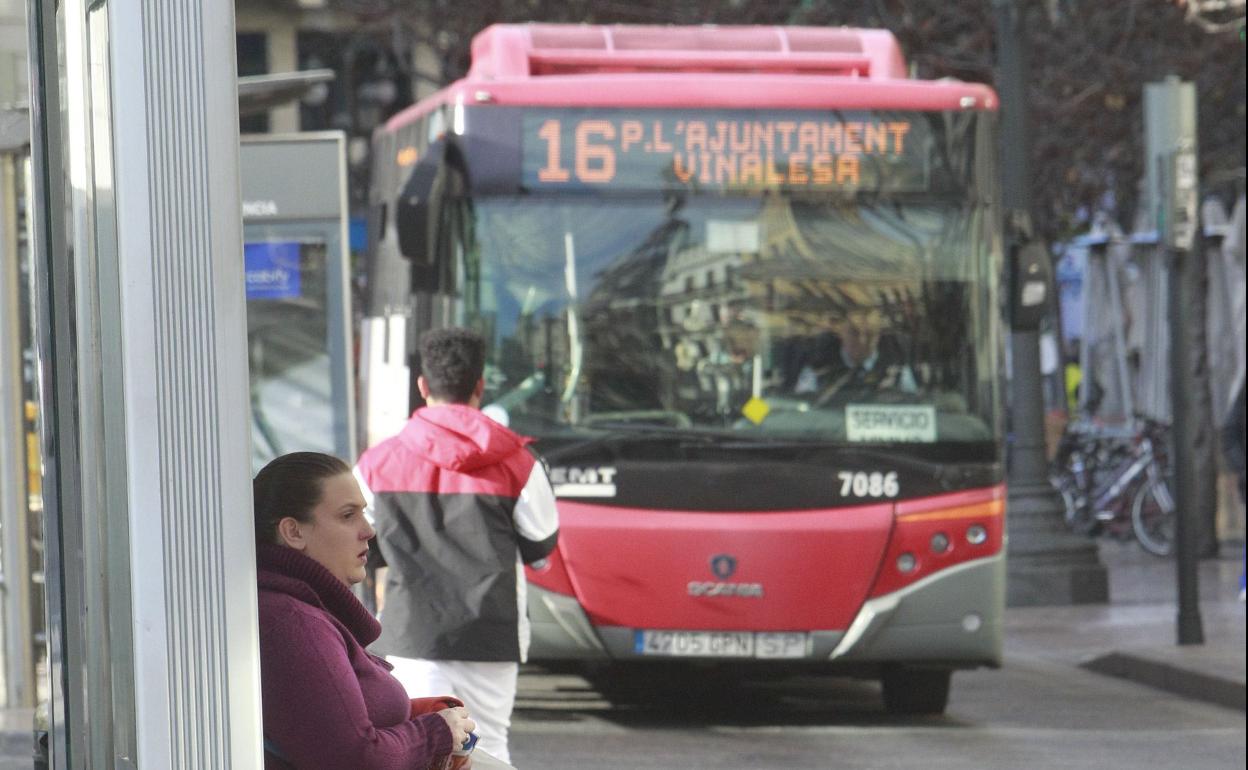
(909, 690)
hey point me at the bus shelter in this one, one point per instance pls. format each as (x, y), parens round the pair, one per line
(298, 299)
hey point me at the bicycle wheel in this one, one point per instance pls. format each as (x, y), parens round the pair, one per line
(1152, 517)
(1079, 519)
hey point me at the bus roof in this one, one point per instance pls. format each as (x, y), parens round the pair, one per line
(697, 66)
(535, 50)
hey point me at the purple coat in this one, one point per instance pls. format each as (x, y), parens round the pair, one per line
(328, 704)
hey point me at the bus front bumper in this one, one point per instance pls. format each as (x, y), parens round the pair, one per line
(954, 617)
(951, 618)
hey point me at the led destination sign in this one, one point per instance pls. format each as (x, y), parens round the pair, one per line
(727, 150)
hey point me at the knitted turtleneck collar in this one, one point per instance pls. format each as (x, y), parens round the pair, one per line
(290, 572)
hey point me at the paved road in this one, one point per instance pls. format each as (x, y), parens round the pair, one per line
(1034, 713)
(1041, 710)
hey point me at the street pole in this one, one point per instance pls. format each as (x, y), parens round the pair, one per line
(1046, 563)
(1189, 629)
(1170, 139)
(1189, 423)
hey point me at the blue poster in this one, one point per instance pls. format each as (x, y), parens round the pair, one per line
(272, 270)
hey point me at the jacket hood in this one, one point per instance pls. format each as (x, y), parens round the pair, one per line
(459, 438)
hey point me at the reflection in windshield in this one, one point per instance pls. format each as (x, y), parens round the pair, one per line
(292, 399)
(770, 317)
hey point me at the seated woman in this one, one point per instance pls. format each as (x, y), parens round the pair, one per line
(327, 702)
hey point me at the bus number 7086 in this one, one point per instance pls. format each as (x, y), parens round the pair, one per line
(874, 484)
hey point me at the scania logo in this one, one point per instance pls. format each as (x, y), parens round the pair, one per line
(712, 588)
(723, 566)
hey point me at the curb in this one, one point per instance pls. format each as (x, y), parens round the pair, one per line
(16, 746)
(1174, 679)
(17, 738)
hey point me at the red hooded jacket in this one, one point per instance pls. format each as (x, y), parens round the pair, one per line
(458, 501)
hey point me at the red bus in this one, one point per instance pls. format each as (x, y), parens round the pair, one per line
(741, 284)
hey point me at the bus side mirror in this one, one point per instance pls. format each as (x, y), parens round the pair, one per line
(1031, 279)
(414, 212)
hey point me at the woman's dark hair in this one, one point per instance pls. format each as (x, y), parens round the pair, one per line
(291, 485)
(452, 361)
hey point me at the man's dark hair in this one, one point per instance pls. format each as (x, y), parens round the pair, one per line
(452, 361)
(291, 485)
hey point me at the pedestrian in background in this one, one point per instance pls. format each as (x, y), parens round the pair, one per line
(328, 703)
(1233, 449)
(460, 505)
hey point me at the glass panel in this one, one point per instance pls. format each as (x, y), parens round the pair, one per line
(253, 59)
(763, 317)
(20, 495)
(287, 329)
(111, 694)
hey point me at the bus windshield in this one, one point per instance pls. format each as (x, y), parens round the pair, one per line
(762, 317)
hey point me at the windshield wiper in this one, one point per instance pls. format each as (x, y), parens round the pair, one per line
(622, 432)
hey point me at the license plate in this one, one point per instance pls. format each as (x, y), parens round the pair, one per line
(771, 644)
(695, 644)
(720, 644)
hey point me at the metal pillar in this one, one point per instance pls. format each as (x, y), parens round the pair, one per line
(1170, 131)
(151, 569)
(1187, 328)
(1046, 563)
(51, 292)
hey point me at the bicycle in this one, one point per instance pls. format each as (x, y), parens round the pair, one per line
(1115, 481)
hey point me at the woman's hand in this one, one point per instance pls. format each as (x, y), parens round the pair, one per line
(460, 723)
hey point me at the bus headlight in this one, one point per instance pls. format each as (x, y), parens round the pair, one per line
(940, 542)
(976, 534)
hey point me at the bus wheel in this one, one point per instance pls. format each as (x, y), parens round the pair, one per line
(915, 690)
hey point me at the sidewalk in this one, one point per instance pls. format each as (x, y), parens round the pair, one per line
(17, 747)
(1134, 636)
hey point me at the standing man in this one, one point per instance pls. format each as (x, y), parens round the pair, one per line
(460, 505)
